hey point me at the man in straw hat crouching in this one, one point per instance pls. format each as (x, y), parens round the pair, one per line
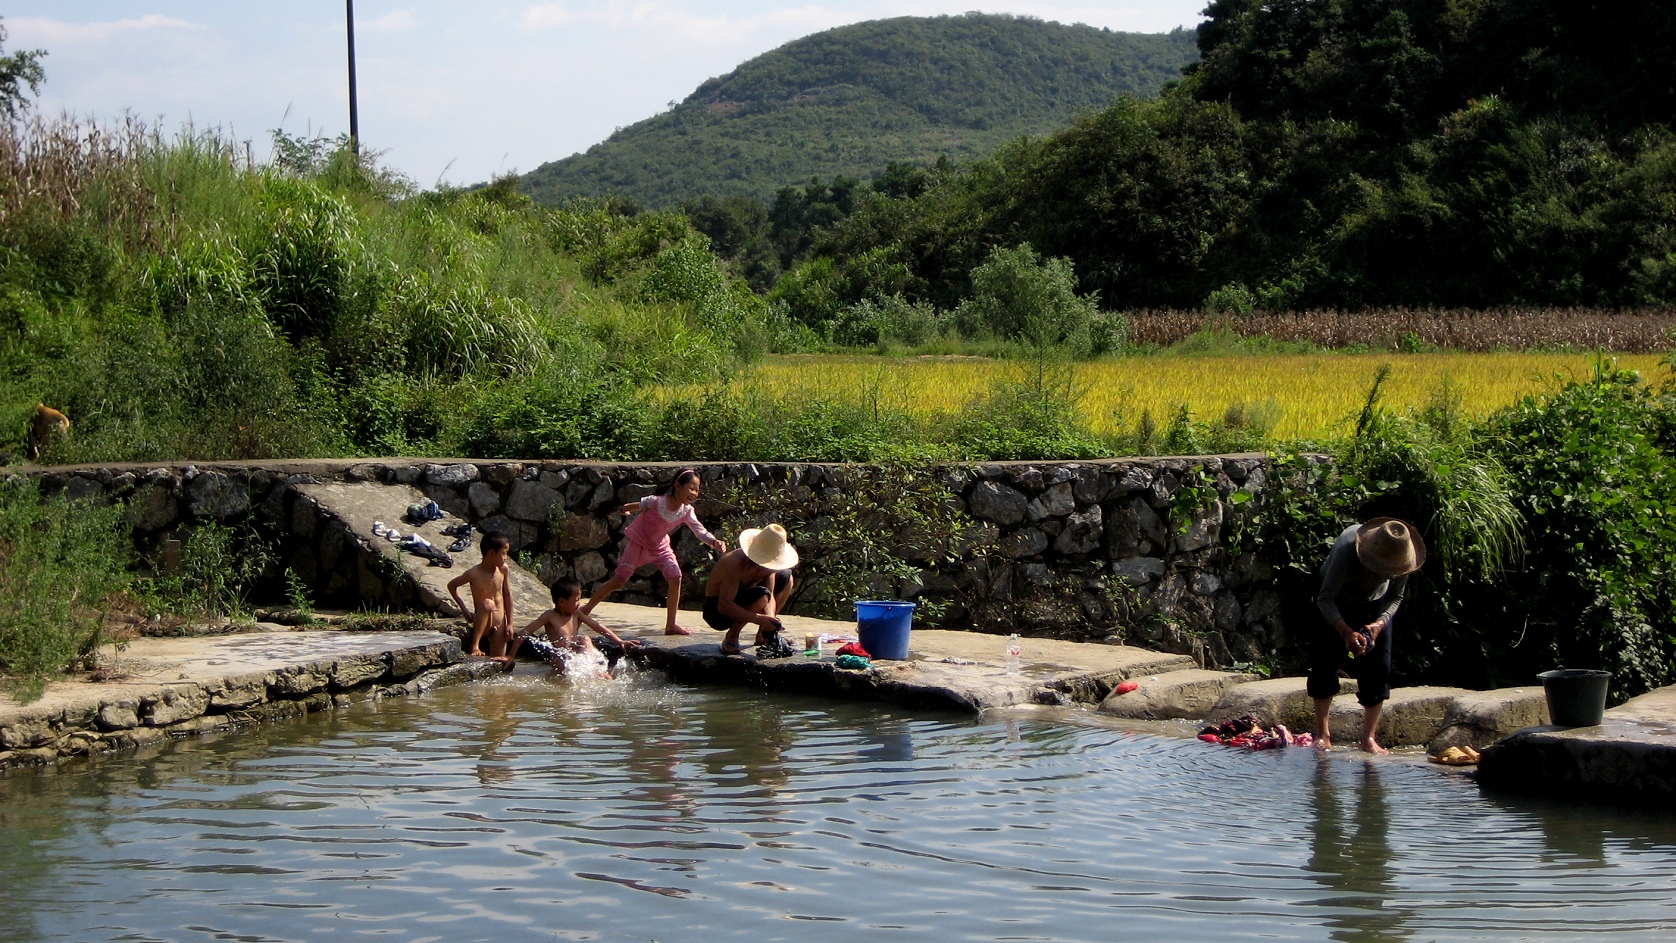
(1362, 584)
(750, 584)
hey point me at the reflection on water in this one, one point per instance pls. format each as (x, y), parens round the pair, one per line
(1350, 854)
(530, 808)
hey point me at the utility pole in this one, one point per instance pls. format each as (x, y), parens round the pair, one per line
(354, 114)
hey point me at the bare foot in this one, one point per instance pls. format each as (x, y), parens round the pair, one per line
(1323, 743)
(675, 630)
(476, 653)
(1372, 746)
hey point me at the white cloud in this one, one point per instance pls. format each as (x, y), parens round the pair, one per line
(396, 21)
(30, 30)
(546, 16)
(676, 18)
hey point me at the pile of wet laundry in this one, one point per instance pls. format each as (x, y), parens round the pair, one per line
(1248, 733)
(853, 657)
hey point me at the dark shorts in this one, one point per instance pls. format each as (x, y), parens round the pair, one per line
(1372, 670)
(745, 598)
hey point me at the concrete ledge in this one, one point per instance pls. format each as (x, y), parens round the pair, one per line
(1411, 717)
(1629, 758)
(1177, 695)
(188, 686)
(1275, 701)
(950, 670)
(1481, 718)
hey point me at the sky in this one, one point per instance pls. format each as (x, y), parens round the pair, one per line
(448, 92)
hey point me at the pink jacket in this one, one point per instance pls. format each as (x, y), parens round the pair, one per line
(655, 522)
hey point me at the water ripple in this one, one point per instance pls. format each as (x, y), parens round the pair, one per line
(635, 810)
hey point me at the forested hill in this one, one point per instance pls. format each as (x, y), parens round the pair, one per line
(1323, 154)
(853, 99)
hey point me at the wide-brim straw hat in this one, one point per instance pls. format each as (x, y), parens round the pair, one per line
(768, 547)
(1390, 547)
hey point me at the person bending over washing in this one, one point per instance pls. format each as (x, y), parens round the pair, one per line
(490, 611)
(562, 625)
(750, 585)
(1362, 584)
(659, 515)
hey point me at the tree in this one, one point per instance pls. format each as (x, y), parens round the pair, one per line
(17, 70)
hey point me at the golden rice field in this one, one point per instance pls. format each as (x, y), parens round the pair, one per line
(1302, 395)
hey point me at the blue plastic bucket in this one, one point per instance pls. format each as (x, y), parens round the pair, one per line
(883, 628)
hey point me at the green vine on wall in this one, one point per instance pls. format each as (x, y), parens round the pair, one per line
(862, 536)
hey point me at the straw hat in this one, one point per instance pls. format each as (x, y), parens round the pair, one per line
(768, 547)
(1390, 547)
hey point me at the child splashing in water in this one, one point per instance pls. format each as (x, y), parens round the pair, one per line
(659, 515)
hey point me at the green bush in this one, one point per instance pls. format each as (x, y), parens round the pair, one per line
(1034, 416)
(62, 566)
(219, 566)
(1597, 467)
(1017, 295)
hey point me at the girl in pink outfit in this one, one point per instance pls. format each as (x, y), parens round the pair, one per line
(660, 515)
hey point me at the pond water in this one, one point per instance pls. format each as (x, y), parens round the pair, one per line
(530, 809)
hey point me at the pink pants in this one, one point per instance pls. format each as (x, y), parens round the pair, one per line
(638, 555)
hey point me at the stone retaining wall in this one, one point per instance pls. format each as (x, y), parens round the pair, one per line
(1126, 549)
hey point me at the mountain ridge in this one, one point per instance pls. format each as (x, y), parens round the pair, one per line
(853, 99)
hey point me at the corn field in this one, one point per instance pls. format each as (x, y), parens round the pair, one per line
(1640, 331)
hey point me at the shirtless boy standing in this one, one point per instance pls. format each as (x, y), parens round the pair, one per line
(491, 597)
(750, 584)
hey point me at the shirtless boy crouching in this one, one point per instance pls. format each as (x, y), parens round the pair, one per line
(491, 597)
(562, 625)
(750, 584)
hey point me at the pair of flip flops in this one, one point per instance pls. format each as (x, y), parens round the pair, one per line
(380, 529)
(1456, 756)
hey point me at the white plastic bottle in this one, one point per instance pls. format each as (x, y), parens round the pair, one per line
(1015, 650)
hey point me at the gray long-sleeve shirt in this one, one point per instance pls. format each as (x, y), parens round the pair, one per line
(1346, 583)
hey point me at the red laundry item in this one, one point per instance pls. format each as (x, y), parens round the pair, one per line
(1210, 738)
(853, 648)
(1127, 686)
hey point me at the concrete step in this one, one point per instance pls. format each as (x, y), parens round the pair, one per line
(949, 670)
(1189, 694)
(359, 504)
(1412, 716)
(1481, 718)
(1274, 701)
(1629, 758)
